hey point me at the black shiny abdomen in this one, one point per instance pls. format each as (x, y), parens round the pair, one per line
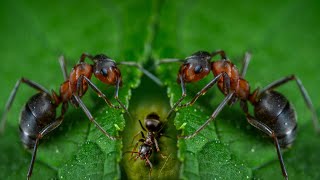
(274, 110)
(38, 112)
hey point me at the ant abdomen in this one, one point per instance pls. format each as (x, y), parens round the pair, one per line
(38, 112)
(275, 111)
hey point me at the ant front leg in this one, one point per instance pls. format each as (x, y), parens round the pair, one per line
(226, 87)
(184, 94)
(44, 132)
(213, 116)
(116, 96)
(87, 112)
(13, 93)
(303, 92)
(264, 128)
(95, 89)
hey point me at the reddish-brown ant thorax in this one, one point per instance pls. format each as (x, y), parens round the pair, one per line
(237, 84)
(195, 68)
(80, 69)
(225, 66)
(65, 91)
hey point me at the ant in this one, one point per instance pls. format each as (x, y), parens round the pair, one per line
(273, 114)
(38, 117)
(153, 126)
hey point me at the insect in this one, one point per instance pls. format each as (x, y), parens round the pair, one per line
(153, 126)
(273, 114)
(38, 116)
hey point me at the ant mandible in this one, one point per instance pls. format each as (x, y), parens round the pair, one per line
(153, 126)
(273, 113)
(38, 117)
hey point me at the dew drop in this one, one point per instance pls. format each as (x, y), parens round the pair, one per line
(252, 150)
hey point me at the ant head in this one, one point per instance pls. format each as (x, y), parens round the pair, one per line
(152, 122)
(145, 151)
(106, 70)
(195, 67)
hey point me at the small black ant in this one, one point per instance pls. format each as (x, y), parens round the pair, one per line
(153, 126)
(38, 117)
(273, 113)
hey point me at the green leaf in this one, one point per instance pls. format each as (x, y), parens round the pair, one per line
(283, 37)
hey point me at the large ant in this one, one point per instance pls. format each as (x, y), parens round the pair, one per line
(153, 126)
(38, 117)
(273, 113)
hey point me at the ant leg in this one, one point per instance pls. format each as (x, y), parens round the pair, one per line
(303, 92)
(13, 95)
(136, 145)
(44, 132)
(80, 86)
(96, 90)
(184, 94)
(147, 73)
(157, 145)
(84, 56)
(135, 137)
(221, 53)
(116, 96)
(142, 135)
(63, 66)
(226, 81)
(150, 164)
(87, 112)
(246, 61)
(213, 116)
(264, 128)
(142, 126)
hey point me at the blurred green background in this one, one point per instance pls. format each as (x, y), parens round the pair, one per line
(283, 37)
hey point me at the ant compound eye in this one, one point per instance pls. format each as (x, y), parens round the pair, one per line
(104, 72)
(198, 69)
